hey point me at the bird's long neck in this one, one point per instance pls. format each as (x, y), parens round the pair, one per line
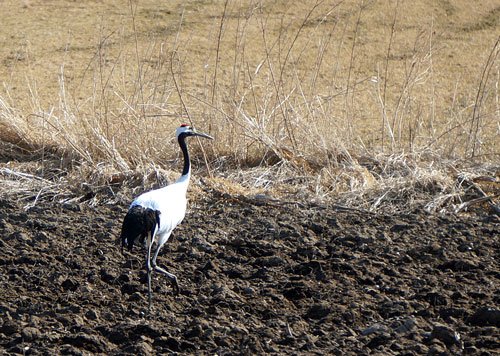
(186, 171)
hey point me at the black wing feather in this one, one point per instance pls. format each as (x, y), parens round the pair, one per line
(138, 222)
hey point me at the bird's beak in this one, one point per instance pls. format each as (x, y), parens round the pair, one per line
(201, 134)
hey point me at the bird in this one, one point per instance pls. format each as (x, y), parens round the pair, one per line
(153, 215)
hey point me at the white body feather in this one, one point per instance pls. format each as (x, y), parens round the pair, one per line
(171, 202)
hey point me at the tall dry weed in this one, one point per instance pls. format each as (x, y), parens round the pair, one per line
(301, 87)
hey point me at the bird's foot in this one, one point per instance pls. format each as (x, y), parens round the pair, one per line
(171, 277)
(175, 285)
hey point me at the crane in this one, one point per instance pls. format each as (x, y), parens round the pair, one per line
(153, 215)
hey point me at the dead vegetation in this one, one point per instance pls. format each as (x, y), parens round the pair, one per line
(371, 106)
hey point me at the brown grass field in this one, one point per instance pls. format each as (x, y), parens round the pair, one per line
(347, 99)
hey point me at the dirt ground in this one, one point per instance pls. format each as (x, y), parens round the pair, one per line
(256, 277)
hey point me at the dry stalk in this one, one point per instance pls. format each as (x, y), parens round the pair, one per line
(139, 65)
(480, 97)
(348, 105)
(217, 52)
(383, 98)
(181, 97)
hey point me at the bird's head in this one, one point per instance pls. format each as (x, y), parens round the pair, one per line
(186, 131)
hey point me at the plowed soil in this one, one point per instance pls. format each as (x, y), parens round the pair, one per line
(256, 277)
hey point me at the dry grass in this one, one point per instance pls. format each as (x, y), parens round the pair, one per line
(376, 105)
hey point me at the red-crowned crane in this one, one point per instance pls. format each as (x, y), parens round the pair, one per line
(153, 215)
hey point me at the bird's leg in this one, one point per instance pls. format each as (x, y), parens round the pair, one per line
(150, 294)
(149, 243)
(171, 277)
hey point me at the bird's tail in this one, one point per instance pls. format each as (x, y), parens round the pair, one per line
(138, 223)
